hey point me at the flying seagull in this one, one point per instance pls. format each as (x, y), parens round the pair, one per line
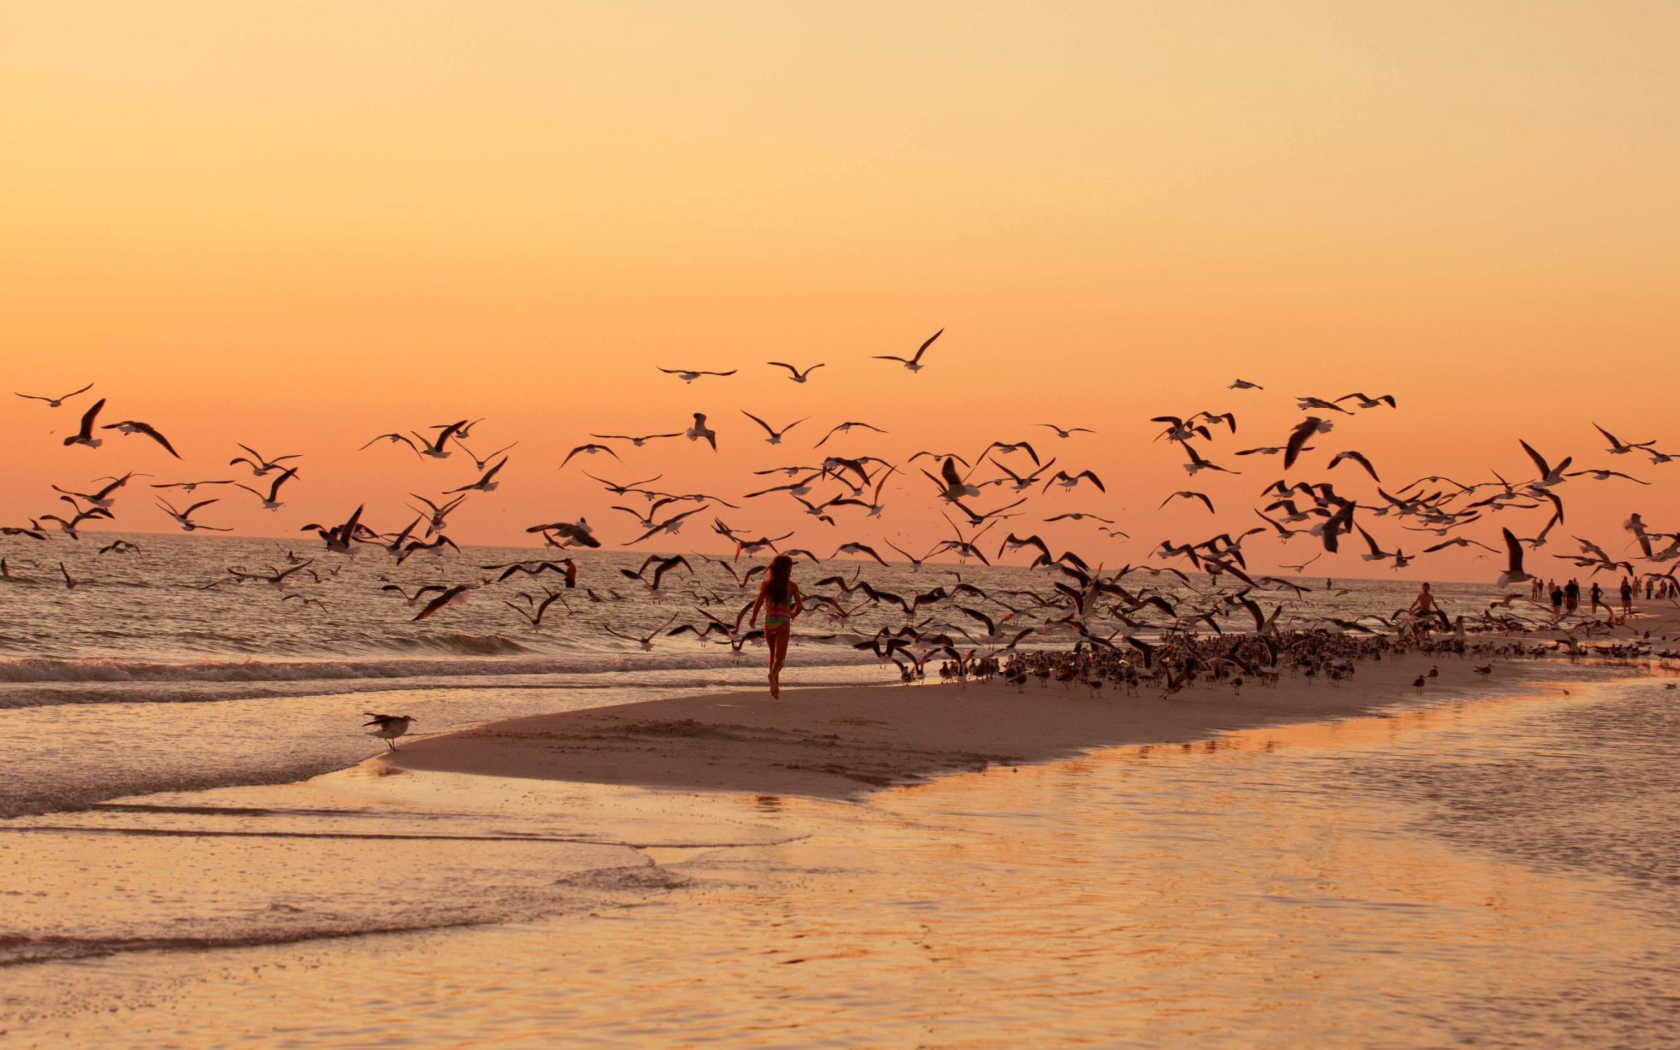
(55, 402)
(1513, 562)
(700, 430)
(588, 450)
(134, 426)
(775, 437)
(689, 375)
(260, 466)
(1063, 432)
(84, 436)
(797, 376)
(272, 500)
(914, 364)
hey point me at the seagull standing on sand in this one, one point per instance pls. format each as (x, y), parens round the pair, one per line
(388, 727)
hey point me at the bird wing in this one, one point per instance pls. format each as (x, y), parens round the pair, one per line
(1513, 552)
(929, 342)
(149, 431)
(948, 470)
(1539, 460)
(1297, 438)
(90, 415)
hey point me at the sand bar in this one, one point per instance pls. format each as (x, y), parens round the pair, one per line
(845, 742)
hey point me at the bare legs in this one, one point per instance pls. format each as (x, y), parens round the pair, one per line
(778, 642)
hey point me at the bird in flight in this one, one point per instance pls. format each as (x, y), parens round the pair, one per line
(272, 500)
(260, 466)
(797, 376)
(845, 428)
(184, 517)
(914, 364)
(700, 430)
(775, 437)
(56, 402)
(134, 426)
(689, 375)
(84, 436)
(438, 447)
(1063, 432)
(638, 440)
(588, 450)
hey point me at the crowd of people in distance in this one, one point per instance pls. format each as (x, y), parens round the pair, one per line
(1565, 598)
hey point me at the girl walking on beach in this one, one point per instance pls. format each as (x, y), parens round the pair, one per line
(779, 596)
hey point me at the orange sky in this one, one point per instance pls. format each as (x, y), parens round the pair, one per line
(299, 225)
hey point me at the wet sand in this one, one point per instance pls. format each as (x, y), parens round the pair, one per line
(842, 743)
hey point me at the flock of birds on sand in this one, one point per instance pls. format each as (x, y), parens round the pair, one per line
(1147, 624)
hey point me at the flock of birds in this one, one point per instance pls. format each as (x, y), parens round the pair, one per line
(1199, 611)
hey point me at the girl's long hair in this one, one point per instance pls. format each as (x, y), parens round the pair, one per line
(778, 584)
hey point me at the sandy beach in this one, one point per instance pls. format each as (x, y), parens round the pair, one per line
(845, 742)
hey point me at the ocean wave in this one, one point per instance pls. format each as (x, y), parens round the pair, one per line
(39, 681)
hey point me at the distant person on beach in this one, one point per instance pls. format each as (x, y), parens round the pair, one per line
(1597, 596)
(1557, 601)
(571, 574)
(1627, 597)
(1328, 585)
(1647, 590)
(1572, 595)
(779, 596)
(1424, 603)
(1424, 612)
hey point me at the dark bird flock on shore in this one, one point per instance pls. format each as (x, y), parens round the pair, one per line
(1146, 623)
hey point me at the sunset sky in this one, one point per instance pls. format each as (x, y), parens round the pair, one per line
(298, 225)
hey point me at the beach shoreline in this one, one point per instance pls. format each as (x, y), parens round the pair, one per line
(845, 742)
